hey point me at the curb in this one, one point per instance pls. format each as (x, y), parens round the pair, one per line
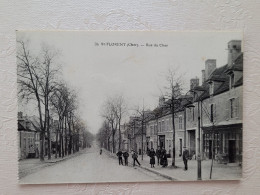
(145, 168)
(160, 174)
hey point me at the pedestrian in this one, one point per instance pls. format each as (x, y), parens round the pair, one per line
(100, 151)
(126, 155)
(135, 156)
(152, 157)
(164, 161)
(119, 154)
(185, 157)
(158, 155)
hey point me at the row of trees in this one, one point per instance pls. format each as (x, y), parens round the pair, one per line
(40, 82)
(171, 93)
(113, 111)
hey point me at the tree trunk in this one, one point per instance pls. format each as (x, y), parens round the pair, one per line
(60, 130)
(42, 129)
(56, 144)
(119, 131)
(70, 137)
(62, 140)
(119, 142)
(42, 146)
(48, 133)
(173, 135)
(65, 136)
(113, 143)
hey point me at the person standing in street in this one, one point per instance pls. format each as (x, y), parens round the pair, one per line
(119, 155)
(152, 157)
(164, 161)
(126, 155)
(185, 157)
(158, 155)
(135, 156)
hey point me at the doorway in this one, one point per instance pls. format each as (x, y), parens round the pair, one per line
(180, 147)
(192, 143)
(162, 141)
(232, 151)
(210, 149)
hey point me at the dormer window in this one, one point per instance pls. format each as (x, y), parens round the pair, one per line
(232, 81)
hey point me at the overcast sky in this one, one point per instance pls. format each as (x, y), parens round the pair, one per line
(137, 73)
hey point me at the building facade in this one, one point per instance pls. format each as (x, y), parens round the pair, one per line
(216, 117)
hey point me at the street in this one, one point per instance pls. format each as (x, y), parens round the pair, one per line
(90, 167)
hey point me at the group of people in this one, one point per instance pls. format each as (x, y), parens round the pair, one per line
(125, 154)
(161, 155)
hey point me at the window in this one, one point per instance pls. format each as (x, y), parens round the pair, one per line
(211, 113)
(167, 125)
(232, 80)
(193, 113)
(180, 122)
(159, 126)
(163, 126)
(232, 108)
(151, 130)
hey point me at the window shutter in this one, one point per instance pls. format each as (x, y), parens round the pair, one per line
(237, 107)
(227, 117)
(214, 113)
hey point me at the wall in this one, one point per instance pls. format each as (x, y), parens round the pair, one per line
(131, 15)
(222, 107)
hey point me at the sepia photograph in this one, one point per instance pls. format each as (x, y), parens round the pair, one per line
(129, 106)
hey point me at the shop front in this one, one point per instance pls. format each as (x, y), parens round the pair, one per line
(223, 143)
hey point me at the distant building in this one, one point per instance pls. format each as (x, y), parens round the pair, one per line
(28, 138)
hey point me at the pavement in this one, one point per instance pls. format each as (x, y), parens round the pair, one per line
(219, 171)
(29, 166)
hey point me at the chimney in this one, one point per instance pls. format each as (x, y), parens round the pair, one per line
(234, 50)
(210, 66)
(194, 82)
(161, 101)
(203, 76)
(20, 115)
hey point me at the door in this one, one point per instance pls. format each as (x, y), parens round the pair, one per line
(192, 142)
(210, 149)
(232, 151)
(180, 147)
(162, 141)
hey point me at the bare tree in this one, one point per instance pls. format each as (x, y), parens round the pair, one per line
(64, 102)
(37, 76)
(108, 112)
(142, 116)
(173, 92)
(104, 135)
(119, 108)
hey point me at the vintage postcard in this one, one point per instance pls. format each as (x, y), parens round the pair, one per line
(104, 106)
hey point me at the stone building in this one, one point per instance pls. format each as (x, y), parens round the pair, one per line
(159, 129)
(218, 108)
(28, 138)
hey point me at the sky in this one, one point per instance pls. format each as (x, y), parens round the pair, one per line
(131, 67)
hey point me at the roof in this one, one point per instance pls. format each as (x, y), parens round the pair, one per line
(21, 126)
(220, 76)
